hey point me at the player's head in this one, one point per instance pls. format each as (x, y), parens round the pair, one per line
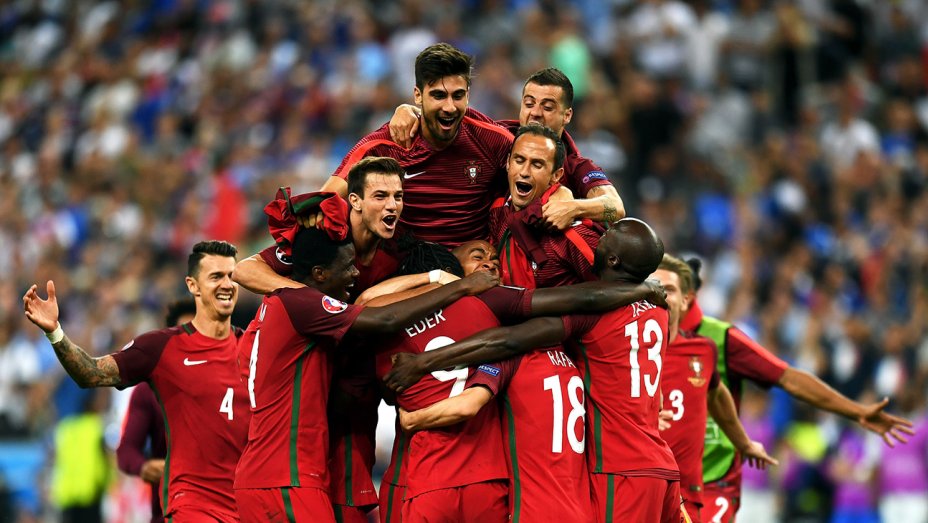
(324, 263)
(629, 251)
(180, 312)
(677, 278)
(536, 162)
(375, 191)
(209, 278)
(547, 99)
(477, 255)
(442, 88)
(425, 256)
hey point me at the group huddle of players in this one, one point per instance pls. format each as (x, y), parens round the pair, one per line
(578, 390)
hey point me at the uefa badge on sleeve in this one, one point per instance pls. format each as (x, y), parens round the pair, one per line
(472, 171)
(333, 306)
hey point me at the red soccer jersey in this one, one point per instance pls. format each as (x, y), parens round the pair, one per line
(620, 356)
(689, 373)
(468, 452)
(543, 424)
(447, 193)
(580, 173)
(290, 344)
(197, 382)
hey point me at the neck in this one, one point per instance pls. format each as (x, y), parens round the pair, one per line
(217, 328)
(365, 242)
(437, 145)
(672, 330)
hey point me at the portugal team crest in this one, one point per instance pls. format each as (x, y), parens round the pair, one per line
(696, 366)
(472, 171)
(333, 306)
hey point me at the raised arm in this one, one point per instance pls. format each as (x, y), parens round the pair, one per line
(448, 411)
(490, 345)
(722, 409)
(807, 387)
(595, 296)
(405, 283)
(254, 274)
(602, 204)
(85, 370)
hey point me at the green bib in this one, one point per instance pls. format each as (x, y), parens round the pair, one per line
(719, 452)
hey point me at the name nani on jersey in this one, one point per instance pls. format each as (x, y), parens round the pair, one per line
(424, 324)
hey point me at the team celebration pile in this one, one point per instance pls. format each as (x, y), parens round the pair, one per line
(535, 323)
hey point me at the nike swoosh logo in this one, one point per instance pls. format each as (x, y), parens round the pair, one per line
(407, 176)
(188, 362)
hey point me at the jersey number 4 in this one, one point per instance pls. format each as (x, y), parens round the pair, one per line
(577, 413)
(652, 334)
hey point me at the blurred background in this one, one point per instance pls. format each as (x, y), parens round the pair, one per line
(783, 142)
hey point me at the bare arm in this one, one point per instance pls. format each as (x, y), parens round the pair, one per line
(401, 284)
(448, 411)
(489, 345)
(254, 274)
(810, 389)
(85, 370)
(602, 204)
(595, 296)
(404, 124)
(722, 409)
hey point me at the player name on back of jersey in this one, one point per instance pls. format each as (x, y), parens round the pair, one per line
(425, 324)
(560, 359)
(641, 306)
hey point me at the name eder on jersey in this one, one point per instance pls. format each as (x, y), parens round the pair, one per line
(424, 324)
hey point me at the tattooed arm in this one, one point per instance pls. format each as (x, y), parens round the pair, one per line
(602, 204)
(85, 370)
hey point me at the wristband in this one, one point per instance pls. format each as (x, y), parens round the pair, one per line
(435, 276)
(56, 335)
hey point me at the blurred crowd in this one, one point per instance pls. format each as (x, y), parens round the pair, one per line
(784, 142)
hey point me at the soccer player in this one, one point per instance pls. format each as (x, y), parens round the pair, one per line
(530, 255)
(740, 358)
(193, 370)
(691, 389)
(144, 424)
(625, 454)
(293, 341)
(547, 99)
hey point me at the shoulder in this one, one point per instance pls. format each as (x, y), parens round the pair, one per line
(379, 138)
(158, 339)
(481, 128)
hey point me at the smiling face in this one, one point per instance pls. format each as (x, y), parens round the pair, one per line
(337, 280)
(443, 103)
(380, 205)
(477, 255)
(213, 288)
(676, 302)
(544, 105)
(531, 169)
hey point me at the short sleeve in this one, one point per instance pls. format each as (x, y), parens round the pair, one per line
(277, 260)
(508, 304)
(746, 358)
(495, 376)
(576, 325)
(138, 359)
(314, 314)
(581, 174)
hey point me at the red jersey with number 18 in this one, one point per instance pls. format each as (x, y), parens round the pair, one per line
(468, 452)
(290, 344)
(619, 356)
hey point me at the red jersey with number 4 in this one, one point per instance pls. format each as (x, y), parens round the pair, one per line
(447, 192)
(468, 452)
(197, 382)
(290, 346)
(689, 373)
(543, 424)
(620, 356)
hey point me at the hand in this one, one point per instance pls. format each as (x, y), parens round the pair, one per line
(308, 221)
(152, 470)
(664, 417)
(404, 124)
(886, 425)
(658, 294)
(756, 456)
(559, 214)
(446, 277)
(43, 313)
(404, 420)
(477, 282)
(405, 372)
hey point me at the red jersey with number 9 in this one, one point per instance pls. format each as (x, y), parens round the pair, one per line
(620, 355)
(468, 452)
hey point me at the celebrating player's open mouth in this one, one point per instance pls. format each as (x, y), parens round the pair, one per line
(524, 188)
(389, 221)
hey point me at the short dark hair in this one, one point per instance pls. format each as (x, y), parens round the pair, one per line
(203, 249)
(440, 60)
(313, 247)
(357, 175)
(556, 77)
(425, 256)
(540, 130)
(179, 308)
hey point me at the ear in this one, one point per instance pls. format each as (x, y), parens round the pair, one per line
(613, 261)
(319, 274)
(192, 286)
(568, 114)
(556, 177)
(417, 96)
(355, 201)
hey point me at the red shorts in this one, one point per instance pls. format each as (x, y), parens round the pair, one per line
(484, 502)
(284, 505)
(347, 514)
(633, 499)
(391, 502)
(199, 514)
(720, 503)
